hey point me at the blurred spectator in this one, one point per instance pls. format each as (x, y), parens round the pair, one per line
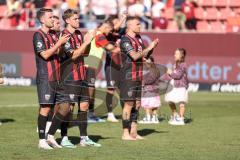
(157, 6)
(180, 18)
(14, 8)
(122, 6)
(28, 15)
(84, 12)
(188, 10)
(178, 4)
(148, 5)
(73, 4)
(157, 13)
(170, 3)
(160, 23)
(101, 9)
(138, 9)
(39, 3)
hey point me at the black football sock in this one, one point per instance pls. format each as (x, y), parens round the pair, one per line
(82, 117)
(42, 120)
(109, 98)
(64, 128)
(56, 123)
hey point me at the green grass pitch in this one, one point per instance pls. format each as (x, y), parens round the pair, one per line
(214, 133)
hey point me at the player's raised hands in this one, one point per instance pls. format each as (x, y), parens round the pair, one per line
(154, 43)
(89, 36)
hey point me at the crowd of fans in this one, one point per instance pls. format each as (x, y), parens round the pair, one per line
(154, 14)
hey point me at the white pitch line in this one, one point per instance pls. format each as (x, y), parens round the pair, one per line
(18, 105)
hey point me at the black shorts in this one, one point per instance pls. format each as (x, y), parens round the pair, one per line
(112, 75)
(46, 91)
(130, 90)
(73, 92)
(91, 76)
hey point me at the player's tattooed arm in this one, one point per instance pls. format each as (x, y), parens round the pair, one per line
(112, 48)
(127, 47)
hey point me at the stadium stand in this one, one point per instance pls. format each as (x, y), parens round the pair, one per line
(212, 15)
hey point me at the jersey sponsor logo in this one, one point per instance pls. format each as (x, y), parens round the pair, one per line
(47, 97)
(39, 44)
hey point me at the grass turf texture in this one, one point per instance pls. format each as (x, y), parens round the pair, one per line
(213, 134)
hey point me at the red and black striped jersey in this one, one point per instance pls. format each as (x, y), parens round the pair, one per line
(131, 70)
(72, 70)
(46, 69)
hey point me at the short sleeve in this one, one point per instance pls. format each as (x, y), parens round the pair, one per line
(101, 40)
(38, 43)
(126, 46)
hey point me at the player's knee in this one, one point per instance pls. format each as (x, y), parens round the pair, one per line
(84, 106)
(128, 103)
(138, 105)
(44, 110)
(110, 91)
(64, 109)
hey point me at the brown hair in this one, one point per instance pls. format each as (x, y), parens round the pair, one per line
(107, 21)
(130, 18)
(41, 12)
(68, 13)
(56, 17)
(183, 55)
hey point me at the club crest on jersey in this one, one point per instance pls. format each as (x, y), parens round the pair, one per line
(54, 37)
(130, 93)
(92, 80)
(71, 96)
(67, 45)
(47, 97)
(39, 44)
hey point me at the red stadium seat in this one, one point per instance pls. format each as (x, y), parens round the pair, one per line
(5, 23)
(218, 27)
(234, 3)
(3, 9)
(205, 3)
(203, 26)
(212, 13)
(172, 26)
(169, 13)
(221, 3)
(200, 13)
(233, 28)
(236, 10)
(225, 13)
